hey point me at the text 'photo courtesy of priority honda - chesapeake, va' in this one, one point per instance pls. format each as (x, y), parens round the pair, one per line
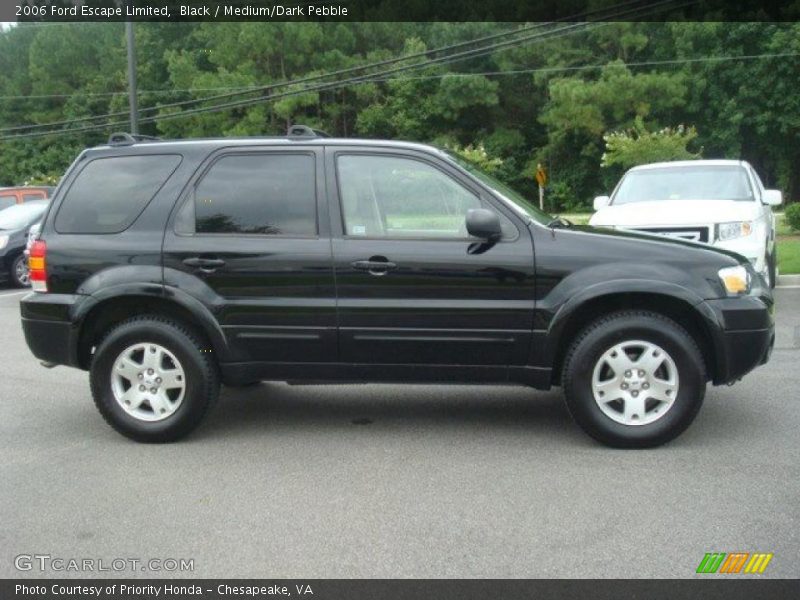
(388, 299)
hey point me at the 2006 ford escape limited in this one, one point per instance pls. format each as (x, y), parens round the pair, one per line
(166, 268)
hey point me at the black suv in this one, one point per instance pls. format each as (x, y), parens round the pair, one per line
(165, 268)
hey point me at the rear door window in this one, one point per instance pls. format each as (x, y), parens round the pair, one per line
(260, 194)
(33, 196)
(109, 194)
(7, 200)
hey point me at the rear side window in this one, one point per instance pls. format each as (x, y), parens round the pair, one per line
(36, 196)
(110, 193)
(6, 201)
(267, 194)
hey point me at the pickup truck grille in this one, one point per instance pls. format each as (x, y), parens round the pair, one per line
(696, 234)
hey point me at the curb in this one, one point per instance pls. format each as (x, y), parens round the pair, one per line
(788, 281)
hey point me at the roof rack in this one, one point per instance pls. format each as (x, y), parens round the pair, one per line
(304, 131)
(121, 138)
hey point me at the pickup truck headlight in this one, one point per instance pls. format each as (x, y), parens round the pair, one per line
(735, 280)
(3, 241)
(730, 231)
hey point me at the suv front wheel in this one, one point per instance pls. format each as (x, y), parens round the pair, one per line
(153, 380)
(634, 379)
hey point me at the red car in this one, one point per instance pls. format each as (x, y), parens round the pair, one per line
(17, 195)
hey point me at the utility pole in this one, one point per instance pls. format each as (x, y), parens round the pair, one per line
(132, 77)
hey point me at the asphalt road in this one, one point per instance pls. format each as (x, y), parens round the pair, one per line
(398, 481)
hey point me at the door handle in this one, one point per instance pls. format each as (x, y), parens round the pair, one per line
(205, 265)
(374, 267)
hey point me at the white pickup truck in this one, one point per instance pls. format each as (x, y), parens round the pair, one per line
(717, 202)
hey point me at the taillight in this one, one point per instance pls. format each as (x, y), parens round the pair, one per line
(37, 266)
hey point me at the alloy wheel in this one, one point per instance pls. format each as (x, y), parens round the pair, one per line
(148, 382)
(22, 273)
(635, 382)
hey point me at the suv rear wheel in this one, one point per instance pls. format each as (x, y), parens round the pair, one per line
(634, 379)
(153, 380)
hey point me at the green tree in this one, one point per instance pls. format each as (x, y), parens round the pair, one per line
(638, 146)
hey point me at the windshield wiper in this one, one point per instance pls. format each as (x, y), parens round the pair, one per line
(560, 223)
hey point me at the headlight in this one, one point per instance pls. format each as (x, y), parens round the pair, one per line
(729, 231)
(735, 280)
(3, 241)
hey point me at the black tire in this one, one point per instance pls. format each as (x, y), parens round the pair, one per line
(772, 268)
(19, 263)
(201, 377)
(600, 336)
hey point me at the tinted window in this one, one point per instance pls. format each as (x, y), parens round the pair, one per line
(387, 196)
(110, 193)
(270, 194)
(6, 201)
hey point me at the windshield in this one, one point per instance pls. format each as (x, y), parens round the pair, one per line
(501, 189)
(21, 215)
(684, 183)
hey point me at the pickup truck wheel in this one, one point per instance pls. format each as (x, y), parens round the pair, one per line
(634, 379)
(153, 380)
(772, 268)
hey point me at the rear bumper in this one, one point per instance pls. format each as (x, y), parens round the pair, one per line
(743, 335)
(49, 329)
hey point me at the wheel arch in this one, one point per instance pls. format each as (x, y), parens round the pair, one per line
(108, 311)
(571, 320)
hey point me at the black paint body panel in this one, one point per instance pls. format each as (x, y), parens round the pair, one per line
(453, 310)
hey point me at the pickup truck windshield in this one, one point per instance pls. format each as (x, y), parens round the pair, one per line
(501, 189)
(684, 183)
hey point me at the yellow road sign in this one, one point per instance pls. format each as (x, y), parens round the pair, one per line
(541, 176)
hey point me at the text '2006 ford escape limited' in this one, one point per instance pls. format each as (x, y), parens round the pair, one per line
(165, 268)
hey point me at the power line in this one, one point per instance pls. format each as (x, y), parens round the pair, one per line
(375, 77)
(307, 79)
(338, 84)
(281, 84)
(125, 92)
(647, 63)
(247, 102)
(452, 74)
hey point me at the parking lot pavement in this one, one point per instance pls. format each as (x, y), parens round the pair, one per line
(399, 481)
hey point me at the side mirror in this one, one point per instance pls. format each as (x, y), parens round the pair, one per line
(601, 202)
(772, 197)
(483, 223)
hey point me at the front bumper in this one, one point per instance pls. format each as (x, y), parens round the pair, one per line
(743, 334)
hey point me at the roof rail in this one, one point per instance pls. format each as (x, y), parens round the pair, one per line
(121, 138)
(304, 131)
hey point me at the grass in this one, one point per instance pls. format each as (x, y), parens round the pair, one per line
(577, 218)
(781, 226)
(789, 254)
(788, 242)
(440, 222)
